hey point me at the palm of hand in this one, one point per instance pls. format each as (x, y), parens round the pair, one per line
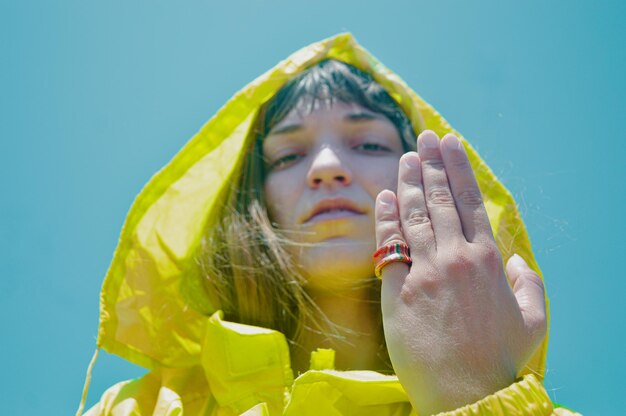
(455, 330)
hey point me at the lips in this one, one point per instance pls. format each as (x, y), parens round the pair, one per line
(332, 208)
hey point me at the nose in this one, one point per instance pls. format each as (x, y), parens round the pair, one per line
(328, 169)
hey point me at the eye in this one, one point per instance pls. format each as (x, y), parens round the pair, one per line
(372, 147)
(284, 161)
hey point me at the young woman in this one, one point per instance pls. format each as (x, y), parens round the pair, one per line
(247, 261)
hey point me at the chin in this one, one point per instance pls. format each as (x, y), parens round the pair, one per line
(337, 264)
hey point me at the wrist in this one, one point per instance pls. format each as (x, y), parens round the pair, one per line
(449, 393)
(524, 397)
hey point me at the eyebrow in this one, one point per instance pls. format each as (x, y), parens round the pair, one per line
(352, 117)
(289, 128)
(361, 116)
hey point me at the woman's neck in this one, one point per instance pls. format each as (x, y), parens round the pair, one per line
(353, 330)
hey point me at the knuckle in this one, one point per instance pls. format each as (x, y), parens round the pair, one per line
(382, 225)
(435, 164)
(416, 217)
(440, 195)
(459, 265)
(386, 215)
(430, 285)
(409, 293)
(410, 178)
(413, 289)
(491, 257)
(534, 279)
(388, 228)
(460, 161)
(472, 198)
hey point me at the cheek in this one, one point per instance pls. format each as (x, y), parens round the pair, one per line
(279, 196)
(383, 176)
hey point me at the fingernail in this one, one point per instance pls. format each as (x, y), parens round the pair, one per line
(411, 160)
(517, 262)
(452, 142)
(429, 141)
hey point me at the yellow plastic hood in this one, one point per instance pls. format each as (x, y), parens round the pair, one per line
(145, 316)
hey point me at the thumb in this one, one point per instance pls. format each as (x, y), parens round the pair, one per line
(529, 291)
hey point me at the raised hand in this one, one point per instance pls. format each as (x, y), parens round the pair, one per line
(456, 329)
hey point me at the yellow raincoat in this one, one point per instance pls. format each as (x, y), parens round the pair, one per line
(202, 365)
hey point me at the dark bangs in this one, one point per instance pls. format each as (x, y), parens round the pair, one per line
(332, 80)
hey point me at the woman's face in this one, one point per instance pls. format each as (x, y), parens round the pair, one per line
(325, 168)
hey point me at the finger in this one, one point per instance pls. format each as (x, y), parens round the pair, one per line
(388, 231)
(441, 208)
(467, 196)
(414, 217)
(529, 291)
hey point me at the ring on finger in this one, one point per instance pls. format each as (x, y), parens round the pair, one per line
(390, 253)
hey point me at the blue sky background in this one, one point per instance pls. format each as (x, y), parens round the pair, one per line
(97, 96)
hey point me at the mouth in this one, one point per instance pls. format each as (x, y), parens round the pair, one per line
(332, 208)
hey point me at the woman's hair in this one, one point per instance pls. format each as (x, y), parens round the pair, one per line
(247, 270)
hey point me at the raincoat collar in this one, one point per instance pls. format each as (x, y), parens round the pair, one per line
(245, 365)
